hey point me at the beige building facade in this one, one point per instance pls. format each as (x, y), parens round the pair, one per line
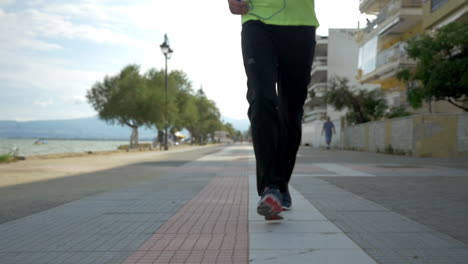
(382, 43)
(335, 55)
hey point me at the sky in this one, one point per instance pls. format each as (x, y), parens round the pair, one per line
(53, 51)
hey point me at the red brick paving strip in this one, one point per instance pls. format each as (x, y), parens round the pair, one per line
(211, 228)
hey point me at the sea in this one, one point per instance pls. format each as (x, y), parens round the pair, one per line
(27, 147)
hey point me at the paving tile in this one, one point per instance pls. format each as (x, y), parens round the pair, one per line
(341, 170)
(102, 228)
(307, 256)
(420, 256)
(211, 227)
(291, 227)
(385, 235)
(276, 241)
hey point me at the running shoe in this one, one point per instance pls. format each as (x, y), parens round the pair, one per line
(269, 205)
(286, 202)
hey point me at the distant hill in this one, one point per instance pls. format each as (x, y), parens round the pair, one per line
(239, 124)
(83, 128)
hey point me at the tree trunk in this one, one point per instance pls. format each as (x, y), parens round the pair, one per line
(134, 137)
(459, 106)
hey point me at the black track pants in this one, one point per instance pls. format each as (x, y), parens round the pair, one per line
(277, 61)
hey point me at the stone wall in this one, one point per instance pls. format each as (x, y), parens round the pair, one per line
(402, 133)
(355, 137)
(462, 138)
(437, 135)
(376, 136)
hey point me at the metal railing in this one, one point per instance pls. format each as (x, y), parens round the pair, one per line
(390, 9)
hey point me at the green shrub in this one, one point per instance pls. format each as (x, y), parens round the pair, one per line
(6, 158)
(389, 149)
(397, 111)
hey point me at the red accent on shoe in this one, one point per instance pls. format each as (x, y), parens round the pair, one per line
(273, 203)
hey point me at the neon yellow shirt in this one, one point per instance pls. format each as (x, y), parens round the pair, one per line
(282, 12)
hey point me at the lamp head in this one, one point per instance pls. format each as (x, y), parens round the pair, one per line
(169, 53)
(165, 46)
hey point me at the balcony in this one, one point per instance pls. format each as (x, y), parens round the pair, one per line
(438, 13)
(396, 17)
(318, 88)
(388, 62)
(317, 113)
(318, 100)
(320, 64)
(313, 102)
(371, 6)
(435, 4)
(321, 47)
(395, 53)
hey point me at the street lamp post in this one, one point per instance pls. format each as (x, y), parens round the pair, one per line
(167, 51)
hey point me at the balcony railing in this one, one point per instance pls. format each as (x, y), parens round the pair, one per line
(395, 53)
(316, 114)
(389, 10)
(318, 87)
(364, 4)
(319, 62)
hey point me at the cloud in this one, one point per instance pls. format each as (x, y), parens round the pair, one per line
(43, 102)
(6, 2)
(42, 28)
(53, 78)
(74, 99)
(23, 103)
(91, 11)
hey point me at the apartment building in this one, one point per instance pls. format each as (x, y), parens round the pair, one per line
(438, 13)
(335, 55)
(382, 44)
(315, 107)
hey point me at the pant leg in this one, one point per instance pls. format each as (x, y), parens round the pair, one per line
(296, 47)
(260, 62)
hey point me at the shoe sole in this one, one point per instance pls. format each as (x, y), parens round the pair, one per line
(273, 217)
(270, 208)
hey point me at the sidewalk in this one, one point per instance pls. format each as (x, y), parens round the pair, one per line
(204, 212)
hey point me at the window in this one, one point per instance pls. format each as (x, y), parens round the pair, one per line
(368, 56)
(435, 4)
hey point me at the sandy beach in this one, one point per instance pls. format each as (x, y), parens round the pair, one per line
(46, 167)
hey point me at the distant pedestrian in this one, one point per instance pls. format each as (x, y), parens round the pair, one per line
(329, 129)
(160, 139)
(278, 44)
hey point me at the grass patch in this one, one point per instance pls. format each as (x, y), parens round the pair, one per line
(5, 158)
